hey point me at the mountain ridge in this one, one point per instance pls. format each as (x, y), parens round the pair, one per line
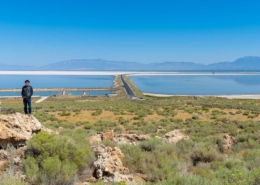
(245, 63)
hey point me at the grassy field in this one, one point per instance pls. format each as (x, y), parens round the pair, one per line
(198, 160)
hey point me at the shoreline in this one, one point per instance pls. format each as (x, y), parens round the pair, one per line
(231, 96)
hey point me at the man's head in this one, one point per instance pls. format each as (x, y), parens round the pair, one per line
(27, 82)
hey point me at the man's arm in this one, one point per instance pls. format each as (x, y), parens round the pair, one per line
(22, 92)
(32, 91)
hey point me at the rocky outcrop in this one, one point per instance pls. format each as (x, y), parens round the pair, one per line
(96, 138)
(227, 142)
(17, 128)
(102, 136)
(126, 138)
(174, 136)
(130, 138)
(159, 129)
(107, 135)
(12, 158)
(108, 165)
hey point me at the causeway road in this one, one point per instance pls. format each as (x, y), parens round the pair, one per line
(128, 89)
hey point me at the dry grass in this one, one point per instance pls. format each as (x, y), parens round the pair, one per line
(86, 115)
(182, 115)
(15, 100)
(153, 117)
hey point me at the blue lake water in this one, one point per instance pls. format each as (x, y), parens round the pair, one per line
(199, 84)
(162, 84)
(93, 93)
(56, 81)
(35, 93)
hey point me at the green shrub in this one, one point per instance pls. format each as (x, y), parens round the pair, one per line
(252, 158)
(154, 158)
(220, 144)
(136, 117)
(64, 113)
(206, 109)
(204, 154)
(88, 125)
(175, 120)
(58, 158)
(251, 116)
(195, 116)
(217, 112)
(97, 112)
(55, 172)
(241, 177)
(190, 110)
(9, 178)
(68, 125)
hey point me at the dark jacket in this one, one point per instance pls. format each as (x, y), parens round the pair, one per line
(27, 91)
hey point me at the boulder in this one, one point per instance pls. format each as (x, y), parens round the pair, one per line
(107, 135)
(102, 136)
(96, 138)
(108, 165)
(174, 136)
(17, 128)
(130, 138)
(159, 129)
(126, 138)
(228, 142)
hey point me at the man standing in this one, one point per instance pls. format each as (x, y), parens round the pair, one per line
(27, 92)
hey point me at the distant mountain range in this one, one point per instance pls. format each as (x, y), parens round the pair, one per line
(249, 63)
(6, 67)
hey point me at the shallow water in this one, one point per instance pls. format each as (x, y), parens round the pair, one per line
(74, 93)
(56, 81)
(199, 84)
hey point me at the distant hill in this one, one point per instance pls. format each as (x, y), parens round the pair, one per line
(249, 63)
(6, 67)
(245, 63)
(93, 64)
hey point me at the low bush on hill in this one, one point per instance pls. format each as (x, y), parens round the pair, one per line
(57, 159)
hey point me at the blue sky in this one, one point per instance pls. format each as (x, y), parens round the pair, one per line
(202, 31)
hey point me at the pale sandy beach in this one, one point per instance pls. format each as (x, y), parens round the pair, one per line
(242, 96)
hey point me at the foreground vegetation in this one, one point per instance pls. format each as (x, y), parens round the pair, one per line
(198, 160)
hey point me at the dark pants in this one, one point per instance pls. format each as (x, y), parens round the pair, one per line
(27, 105)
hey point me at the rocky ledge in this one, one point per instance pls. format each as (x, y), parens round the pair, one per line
(108, 166)
(17, 128)
(171, 137)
